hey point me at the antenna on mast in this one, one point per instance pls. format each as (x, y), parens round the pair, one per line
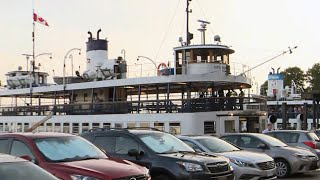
(189, 35)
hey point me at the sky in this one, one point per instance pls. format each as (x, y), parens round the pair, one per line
(256, 29)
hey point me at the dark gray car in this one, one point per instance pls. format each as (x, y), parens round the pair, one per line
(289, 160)
(300, 138)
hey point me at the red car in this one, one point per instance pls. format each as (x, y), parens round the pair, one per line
(69, 157)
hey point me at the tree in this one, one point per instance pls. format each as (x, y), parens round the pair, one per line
(264, 88)
(313, 77)
(294, 74)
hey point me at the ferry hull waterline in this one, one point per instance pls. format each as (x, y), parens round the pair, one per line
(200, 92)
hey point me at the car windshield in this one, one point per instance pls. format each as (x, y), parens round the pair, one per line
(23, 170)
(271, 140)
(65, 149)
(216, 145)
(164, 143)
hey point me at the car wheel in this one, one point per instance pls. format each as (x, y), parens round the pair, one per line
(283, 168)
(161, 177)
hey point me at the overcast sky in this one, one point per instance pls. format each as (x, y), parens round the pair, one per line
(256, 29)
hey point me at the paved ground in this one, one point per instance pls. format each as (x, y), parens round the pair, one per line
(307, 176)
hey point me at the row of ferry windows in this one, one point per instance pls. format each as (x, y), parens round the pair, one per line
(76, 128)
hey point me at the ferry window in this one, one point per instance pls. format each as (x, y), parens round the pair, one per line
(85, 95)
(124, 143)
(66, 127)
(118, 125)
(49, 127)
(85, 127)
(229, 126)
(180, 58)
(41, 128)
(226, 59)
(279, 125)
(144, 124)
(95, 125)
(75, 128)
(106, 125)
(57, 127)
(41, 80)
(1, 127)
(209, 127)
(175, 128)
(105, 143)
(19, 127)
(26, 126)
(3, 145)
(20, 149)
(6, 126)
(131, 125)
(159, 126)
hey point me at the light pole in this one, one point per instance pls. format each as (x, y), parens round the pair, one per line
(71, 57)
(64, 64)
(123, 51)
(155, 65)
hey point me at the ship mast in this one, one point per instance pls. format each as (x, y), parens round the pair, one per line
(189, 35)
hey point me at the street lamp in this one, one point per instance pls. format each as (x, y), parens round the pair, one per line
(155, 65)
(64, 63)
(123, 51)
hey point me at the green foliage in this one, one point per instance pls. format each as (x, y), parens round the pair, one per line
(294, 74)
(313, 77)
(264, 88)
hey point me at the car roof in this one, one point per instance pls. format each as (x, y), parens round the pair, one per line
(302, 131)
(36, 135)
(4, 158)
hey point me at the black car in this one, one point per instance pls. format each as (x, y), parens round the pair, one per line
(167, 157)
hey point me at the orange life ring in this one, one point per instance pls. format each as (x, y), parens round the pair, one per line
(161, 65)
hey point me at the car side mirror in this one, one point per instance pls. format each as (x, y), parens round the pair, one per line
(262, 146)
(28, 158)
(133, 152)
(198, 150)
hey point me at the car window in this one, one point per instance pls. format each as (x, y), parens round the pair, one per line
(124, 143)
(312, 136)
(19, 148)
(192, 145)
(3, 145)
(249, 142)
(106, 143)
(231, 139)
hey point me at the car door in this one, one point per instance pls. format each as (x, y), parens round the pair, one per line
(251, 143)
(118, 145)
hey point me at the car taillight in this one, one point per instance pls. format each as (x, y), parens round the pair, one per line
(311, 144)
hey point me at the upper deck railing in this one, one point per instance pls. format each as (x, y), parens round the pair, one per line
(143, 107)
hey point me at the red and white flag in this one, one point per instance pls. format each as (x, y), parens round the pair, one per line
(39, 19)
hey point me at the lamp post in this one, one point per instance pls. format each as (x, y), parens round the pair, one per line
(64, 63)
(155, 65)
(123, 51)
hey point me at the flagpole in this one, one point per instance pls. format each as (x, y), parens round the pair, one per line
(33, 52)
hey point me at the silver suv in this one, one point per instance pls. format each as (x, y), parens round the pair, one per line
(300, 138)
(247, 165)
(289, 160)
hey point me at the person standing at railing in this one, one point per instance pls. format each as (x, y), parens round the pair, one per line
(234, 95)
(241, 95)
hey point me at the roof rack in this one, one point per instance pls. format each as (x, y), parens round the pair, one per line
(125, 129)
(105, 128)
(143, 128)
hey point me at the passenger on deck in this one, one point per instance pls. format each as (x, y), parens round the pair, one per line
(241, 95)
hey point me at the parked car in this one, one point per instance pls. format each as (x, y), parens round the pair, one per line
(13, 168)
(69, 157)
(317, 131)
(247, 165)
(289, 160)
(300, 138)
(167, 157)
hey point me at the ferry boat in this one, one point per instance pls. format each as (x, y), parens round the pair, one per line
(197, 95)
(291, 100)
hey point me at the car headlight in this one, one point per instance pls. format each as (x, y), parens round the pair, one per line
(191, 167)
(81, 177)
(241, 163)
(300, 156)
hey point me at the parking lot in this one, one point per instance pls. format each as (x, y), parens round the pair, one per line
(306, 176)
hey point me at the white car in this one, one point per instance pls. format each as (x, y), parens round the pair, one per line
(246, 165)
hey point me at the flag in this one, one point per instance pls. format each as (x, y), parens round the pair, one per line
(39, 19)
